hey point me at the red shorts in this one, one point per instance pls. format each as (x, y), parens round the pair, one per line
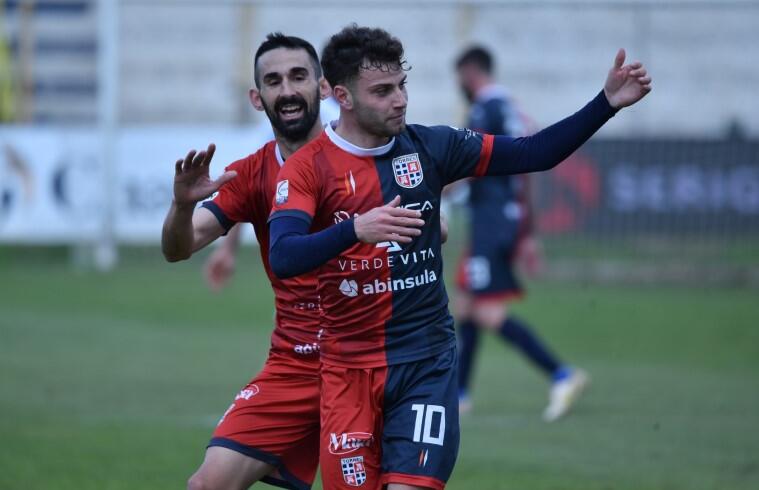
(275, 419)
(396, 424)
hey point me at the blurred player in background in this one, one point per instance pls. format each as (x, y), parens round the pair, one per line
(389, 396)
(271, 431)
(500, 236)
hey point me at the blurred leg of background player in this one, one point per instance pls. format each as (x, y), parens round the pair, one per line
(487, 285)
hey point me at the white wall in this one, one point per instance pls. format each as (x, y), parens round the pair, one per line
(192, 63)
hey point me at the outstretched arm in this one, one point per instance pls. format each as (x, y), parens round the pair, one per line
(185, 230)
(625, 85)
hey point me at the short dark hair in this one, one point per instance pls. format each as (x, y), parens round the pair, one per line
(357, 47)
(276, 40)
(478, 56)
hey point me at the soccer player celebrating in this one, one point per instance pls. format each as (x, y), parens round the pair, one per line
(271, 430)
(389, 390)
(220, 265)
(500, 234)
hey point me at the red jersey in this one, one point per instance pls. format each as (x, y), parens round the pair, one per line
(248, 198)
(382, 304)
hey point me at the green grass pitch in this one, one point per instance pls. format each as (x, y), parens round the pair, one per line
(116, 381)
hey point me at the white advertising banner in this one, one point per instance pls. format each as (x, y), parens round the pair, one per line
(52, 187)
(49, 185)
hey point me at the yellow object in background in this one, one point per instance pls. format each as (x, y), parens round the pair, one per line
(7, 99)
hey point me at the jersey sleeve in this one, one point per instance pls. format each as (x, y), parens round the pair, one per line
(297, 188)
(233, 203)
(464, 152)
(550, 146)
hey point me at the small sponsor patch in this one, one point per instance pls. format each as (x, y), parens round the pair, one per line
(248, 392)
(354, 471)
(349, 288)
(408, 170)
(347, 442)
(283, 189)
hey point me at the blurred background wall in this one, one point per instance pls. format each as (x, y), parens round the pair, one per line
(99, 98)
(189, 61)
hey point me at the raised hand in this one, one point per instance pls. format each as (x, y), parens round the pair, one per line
(192, 182)
(626, 84)
(389, 223)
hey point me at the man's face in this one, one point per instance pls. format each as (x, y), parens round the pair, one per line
(467, 74)
(289, 91)
(380, 100)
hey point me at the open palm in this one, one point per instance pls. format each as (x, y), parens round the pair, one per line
(192, 182)
(626, 84)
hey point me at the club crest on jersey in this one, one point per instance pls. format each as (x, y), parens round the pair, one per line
(408, 170)
(354, 471)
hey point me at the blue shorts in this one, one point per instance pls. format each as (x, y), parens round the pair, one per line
(486, 269)
(395, 424)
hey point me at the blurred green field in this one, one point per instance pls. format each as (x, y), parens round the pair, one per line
(116, 381)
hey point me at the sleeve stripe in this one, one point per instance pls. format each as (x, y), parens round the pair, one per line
(293, 213)
(485, 154)
(225, 222)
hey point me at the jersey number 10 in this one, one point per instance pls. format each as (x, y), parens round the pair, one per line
(425, 415)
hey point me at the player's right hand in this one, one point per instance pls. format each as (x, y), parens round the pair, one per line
(389, 223)
(191, 179)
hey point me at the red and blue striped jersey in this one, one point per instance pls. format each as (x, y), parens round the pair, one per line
(382, 304)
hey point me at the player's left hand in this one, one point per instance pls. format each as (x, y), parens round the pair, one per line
(626, 84)
(219, 268)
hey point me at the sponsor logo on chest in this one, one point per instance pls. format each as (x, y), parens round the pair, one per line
(408, 171)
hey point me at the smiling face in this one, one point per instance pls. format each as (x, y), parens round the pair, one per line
(379, 100)
(288, 91)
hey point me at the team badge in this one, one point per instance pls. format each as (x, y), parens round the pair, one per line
(354, 472)
(408, 170)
